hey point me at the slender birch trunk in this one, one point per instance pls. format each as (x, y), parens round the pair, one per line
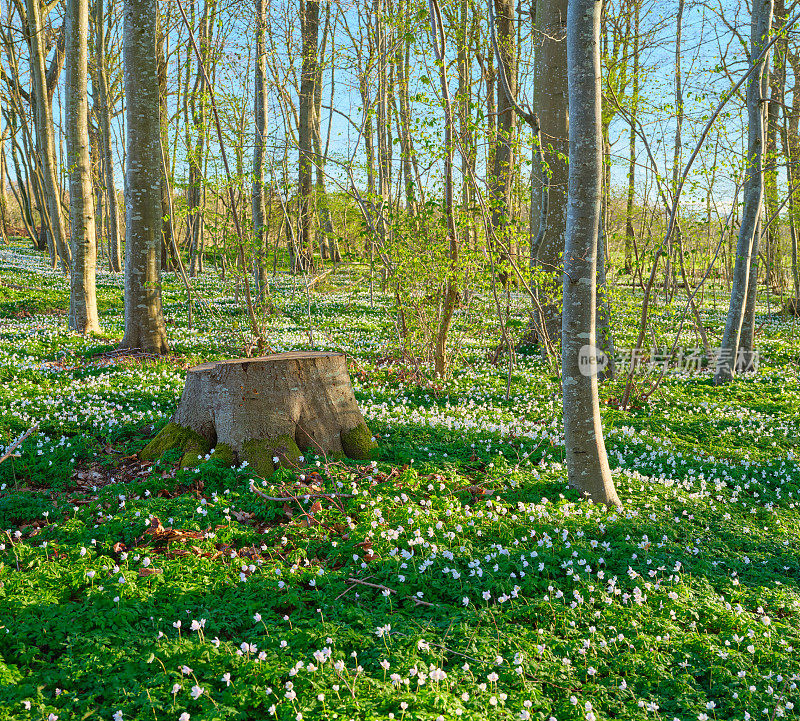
(144, 320)
(761, 22)
(82, 298)
(587, 463)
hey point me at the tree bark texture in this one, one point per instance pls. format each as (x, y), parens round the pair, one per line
(144, 320)
(551, 103)
(305, 134)
(587, 463)
(82, 299)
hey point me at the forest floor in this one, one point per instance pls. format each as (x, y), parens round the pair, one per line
(130, 590)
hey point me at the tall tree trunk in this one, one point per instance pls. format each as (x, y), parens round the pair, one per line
(382, 124)
(260, 110)
(3, 185)
(677, 149)
(791, 150)
(3, 172)
(196, 111)
(327, 242)
(745, 358)
(308, 79)
(745, 352)
(107, 156)
(776, 82)
(24, 155)
(144, 319)
(369, 135)
(466, 124)
(761, 22)
(404, 108)
(503, 170)
(82, 298)
(551, 103)
(44, 132)
(24, 185)
(630, 235)
(441, 358)
(490, 78)
(587, 463)
(166, 251)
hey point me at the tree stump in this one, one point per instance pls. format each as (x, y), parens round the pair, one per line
(262, 409)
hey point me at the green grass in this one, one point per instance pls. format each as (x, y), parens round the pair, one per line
(509, 596)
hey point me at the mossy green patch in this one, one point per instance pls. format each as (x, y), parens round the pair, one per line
(174, 436)
(224, 455)
(358, 443)
(195, 451)
(259, 454)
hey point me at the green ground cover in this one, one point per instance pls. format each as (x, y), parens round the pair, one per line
(140, 591)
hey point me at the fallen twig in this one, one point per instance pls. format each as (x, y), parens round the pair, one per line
(16, 444)
(379, 586)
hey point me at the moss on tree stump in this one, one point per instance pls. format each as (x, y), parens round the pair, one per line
(260, 409)
(358, 443)
(173, 436)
